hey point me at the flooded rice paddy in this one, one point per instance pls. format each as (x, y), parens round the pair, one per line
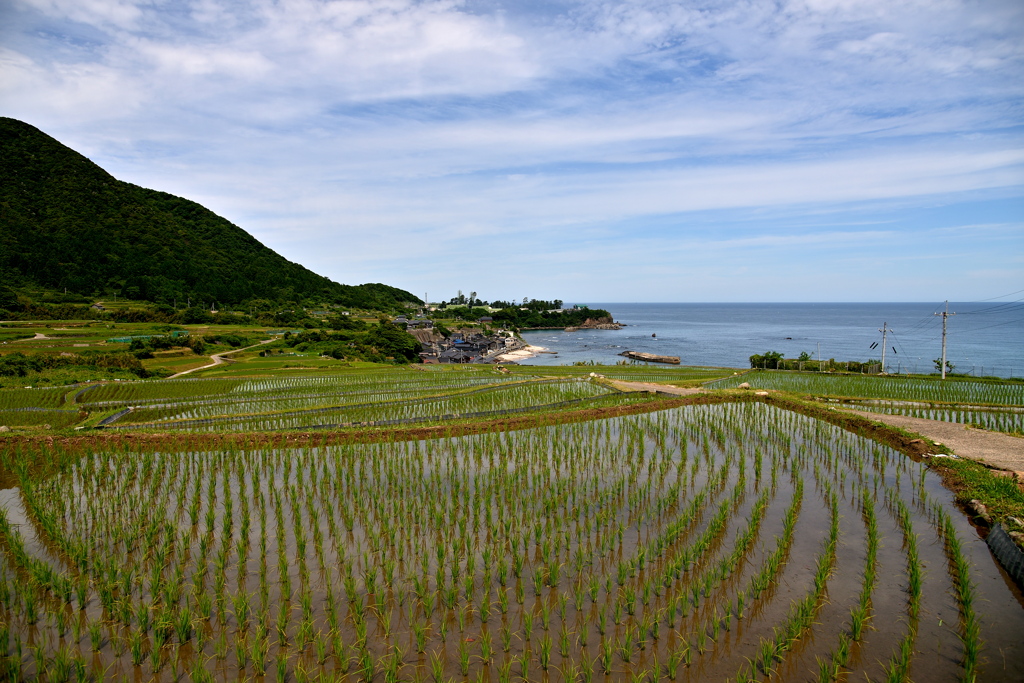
(730, 542)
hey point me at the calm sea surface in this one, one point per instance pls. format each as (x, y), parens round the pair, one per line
(982, 338)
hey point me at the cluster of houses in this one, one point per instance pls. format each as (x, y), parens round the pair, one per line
(476, 348)
(461, 348)
(418, 322)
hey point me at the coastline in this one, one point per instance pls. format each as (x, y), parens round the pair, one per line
(528, 351)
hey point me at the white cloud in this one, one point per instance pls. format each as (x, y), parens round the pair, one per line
(76, 91)
(109, 13)
(320, 125)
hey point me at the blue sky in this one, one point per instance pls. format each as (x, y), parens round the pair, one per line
(813, 150)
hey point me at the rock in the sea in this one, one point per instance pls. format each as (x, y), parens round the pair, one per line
(602, 323)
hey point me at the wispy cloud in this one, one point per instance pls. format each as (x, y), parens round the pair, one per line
(370, 139)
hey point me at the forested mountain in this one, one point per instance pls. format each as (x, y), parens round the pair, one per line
(67, 223)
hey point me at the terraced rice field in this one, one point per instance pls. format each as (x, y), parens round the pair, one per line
(386, 395)
(13, 399)
(377, 406)
(56, 418)
(893, 388)
(731, 542)
(1009, 420)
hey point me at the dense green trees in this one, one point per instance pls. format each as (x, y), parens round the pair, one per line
(773, 360)
(66, 223)
(768, 359)
(20, 365)
(540, 316)
(379, 343)
(531, 313)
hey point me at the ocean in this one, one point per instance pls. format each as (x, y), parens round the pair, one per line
(984, 338)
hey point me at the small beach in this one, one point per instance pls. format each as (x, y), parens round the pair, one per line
(520, 354)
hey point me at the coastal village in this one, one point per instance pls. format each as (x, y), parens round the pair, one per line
(499, 346)
(473, 345)
(464, 346)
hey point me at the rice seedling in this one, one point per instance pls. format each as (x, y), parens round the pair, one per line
(463, 650)
(653, 522)
(437, 665)
(544, 652)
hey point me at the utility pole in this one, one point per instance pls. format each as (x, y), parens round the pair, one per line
(885, 330)
(945, 314)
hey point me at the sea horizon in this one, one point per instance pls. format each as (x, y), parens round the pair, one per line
(983, 338)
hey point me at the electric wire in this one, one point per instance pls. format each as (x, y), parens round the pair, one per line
(1002, 296)
(1001, 308)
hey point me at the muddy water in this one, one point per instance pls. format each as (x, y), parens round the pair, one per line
(406, 528)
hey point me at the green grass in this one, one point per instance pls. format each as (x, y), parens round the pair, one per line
(973, 481)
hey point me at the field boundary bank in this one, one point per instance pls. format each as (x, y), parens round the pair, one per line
(887, 434)
(385, 423)
(891, 436)
(850, 421)
(458, 416)
(933, 405)
(157, 402)
(114, 437)
(314, 411)
(161, 402)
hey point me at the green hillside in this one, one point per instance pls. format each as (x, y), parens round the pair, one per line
(67, 223)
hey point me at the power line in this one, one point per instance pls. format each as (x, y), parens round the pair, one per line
(900, 344)
(1008, 322)
(925, 322)
(1003, 296)
(1001, 308)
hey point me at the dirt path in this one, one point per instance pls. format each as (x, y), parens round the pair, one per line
(992, 448)
(218, 359)
(648, 386)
